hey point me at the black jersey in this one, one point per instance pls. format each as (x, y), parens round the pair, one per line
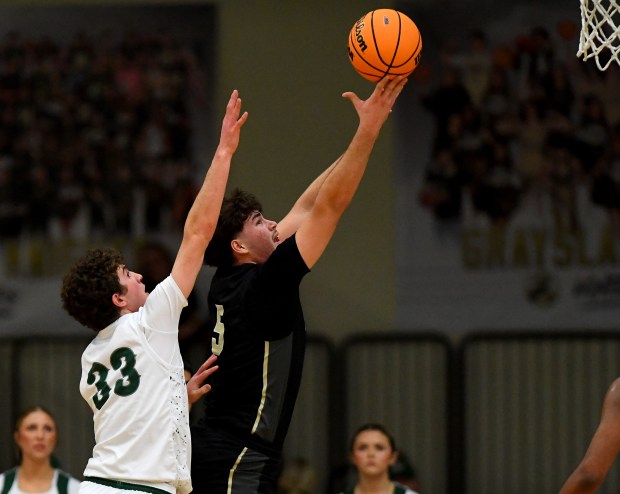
(259, 335)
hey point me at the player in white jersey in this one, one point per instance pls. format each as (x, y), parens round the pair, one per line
(132, 371)
(134, 367)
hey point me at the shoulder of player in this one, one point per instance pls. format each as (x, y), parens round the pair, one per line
(166, 285)
(288, 253)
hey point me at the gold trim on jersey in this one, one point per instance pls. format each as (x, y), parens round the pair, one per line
(264, 392)
(232, 470)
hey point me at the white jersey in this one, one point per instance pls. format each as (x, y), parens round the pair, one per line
(138, 398)
(72, 485)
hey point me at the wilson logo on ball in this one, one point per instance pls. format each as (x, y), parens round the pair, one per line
(358, 35)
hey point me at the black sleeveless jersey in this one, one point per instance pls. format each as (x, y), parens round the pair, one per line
(259, 336)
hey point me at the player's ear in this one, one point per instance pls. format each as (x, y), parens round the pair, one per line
(119, 300)
(238, 247)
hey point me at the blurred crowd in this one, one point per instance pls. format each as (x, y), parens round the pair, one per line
(95, 134)
(523, 127)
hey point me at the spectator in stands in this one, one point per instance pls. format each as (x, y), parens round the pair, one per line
(444, 102)
(499, 102)
(524, 144)
(499, 191)
(474, 63)
(530, 142)
(605, 185)
(592, 132)
(442, 188)
(36, 437)
(74, 112)
(373, 452)
(11, 208)
(537, 55)
(559, 91)
(40, 193)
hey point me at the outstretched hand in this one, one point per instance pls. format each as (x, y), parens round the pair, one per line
(374, 111)
(196, 386)
(231, 126)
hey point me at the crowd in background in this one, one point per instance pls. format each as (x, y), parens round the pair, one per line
(95, 134)
(523, 125)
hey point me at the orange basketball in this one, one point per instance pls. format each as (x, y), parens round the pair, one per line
(384, 42)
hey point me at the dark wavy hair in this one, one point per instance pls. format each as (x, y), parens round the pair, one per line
(235, 210)
(87, 288)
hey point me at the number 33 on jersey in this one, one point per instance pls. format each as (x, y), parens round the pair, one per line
(122, 360)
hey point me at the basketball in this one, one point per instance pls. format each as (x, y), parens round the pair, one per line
(384, 42)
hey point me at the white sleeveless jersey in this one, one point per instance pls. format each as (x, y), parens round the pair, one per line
(139, 401)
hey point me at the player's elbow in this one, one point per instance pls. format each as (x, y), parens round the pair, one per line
(588, 478)
(199, 234)
(335, 204)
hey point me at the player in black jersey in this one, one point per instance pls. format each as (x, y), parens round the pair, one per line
(256, 314)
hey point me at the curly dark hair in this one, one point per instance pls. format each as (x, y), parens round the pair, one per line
(87, 288)
(235, 210)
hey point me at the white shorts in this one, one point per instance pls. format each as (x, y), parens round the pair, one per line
(89, 487)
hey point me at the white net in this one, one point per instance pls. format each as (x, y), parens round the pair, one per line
(600, 35)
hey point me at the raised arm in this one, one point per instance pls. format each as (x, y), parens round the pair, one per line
(202, 217)
(340, 185)
(302, 207)
(591, 472)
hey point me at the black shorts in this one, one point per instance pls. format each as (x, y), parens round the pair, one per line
(221, 464)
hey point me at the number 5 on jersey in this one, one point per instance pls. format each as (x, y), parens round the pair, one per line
(217, 344)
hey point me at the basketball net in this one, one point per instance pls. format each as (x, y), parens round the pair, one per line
(600, 36)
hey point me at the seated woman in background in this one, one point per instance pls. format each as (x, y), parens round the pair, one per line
(35, 436)
(373, 452)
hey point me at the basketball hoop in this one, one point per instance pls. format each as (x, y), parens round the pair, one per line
(600, 35)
